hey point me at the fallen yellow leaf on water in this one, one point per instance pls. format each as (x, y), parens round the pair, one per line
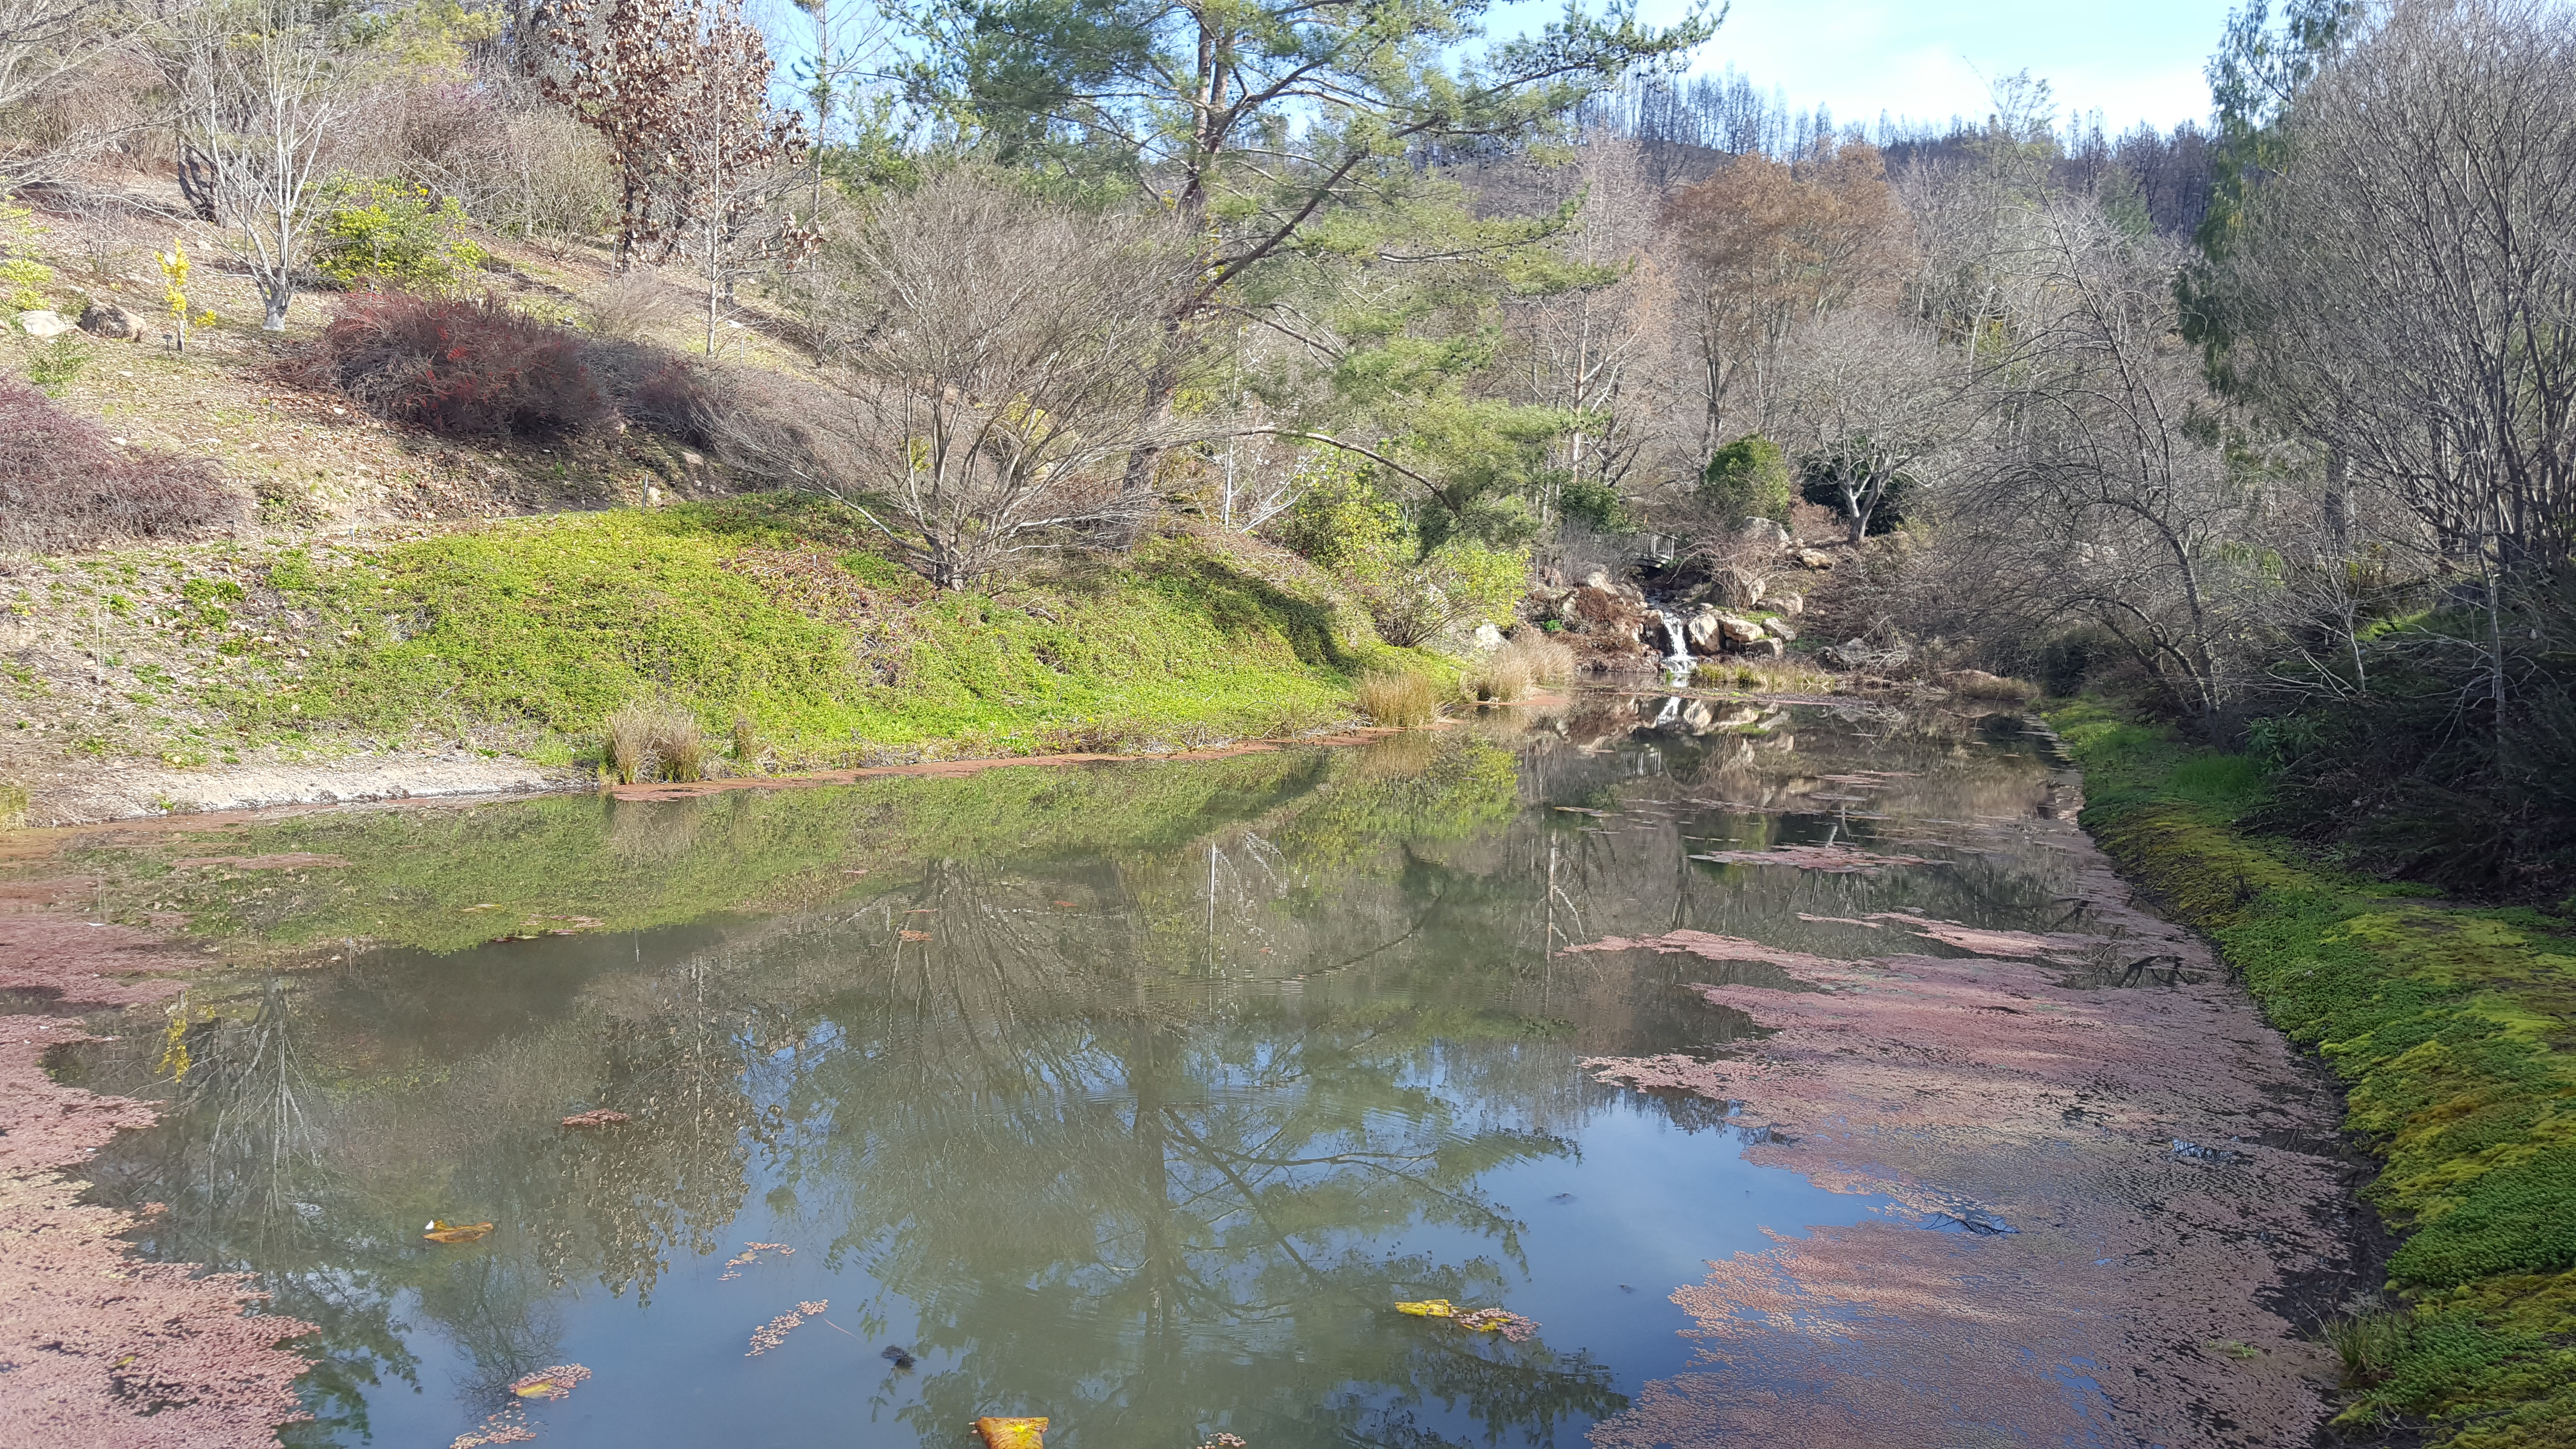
(446, 1232)
(1012, 1433)
(553, 1382)
(1429, 1308)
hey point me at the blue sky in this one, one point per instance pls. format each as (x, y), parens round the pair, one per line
(1924, 58)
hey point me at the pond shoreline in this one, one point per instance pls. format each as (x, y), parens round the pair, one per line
(2138, 1173)
(105, 1349)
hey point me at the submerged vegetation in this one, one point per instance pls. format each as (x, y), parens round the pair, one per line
(2454, 1030)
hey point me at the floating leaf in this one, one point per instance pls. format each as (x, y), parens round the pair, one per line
(1429, 1308)
(442, 1231)
(1012, 1433)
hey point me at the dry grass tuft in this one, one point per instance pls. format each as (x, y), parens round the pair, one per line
(1501, 679)
(1791, 675)
(746, 740)
(1978, 684)
(13, 806)
(1400, 701)
(1529, 660)
(654, 740)
(1548, 661)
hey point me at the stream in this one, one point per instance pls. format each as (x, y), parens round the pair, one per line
(1787, 1073)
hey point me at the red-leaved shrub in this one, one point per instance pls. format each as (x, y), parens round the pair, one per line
(460, 368)
(65, 485)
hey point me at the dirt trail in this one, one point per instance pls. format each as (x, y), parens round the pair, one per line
(2140, 1182)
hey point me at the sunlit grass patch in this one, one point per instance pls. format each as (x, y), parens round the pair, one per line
(778, 612)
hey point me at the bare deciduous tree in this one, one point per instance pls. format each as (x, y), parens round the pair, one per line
(2404, 290)
(42, 42)
(260, 94)
(1768, 246)
(1869, 398)
(2091, 499)
(991, 350)
(735, 156)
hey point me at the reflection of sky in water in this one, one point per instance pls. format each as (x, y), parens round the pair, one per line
(1092, 1150)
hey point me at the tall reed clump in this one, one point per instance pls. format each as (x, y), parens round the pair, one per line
(1502, 678)
(654, 740)
(1398, 700)
(1527, 661)
(13, 805)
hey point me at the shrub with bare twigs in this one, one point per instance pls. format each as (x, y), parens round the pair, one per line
(459, 368)
(65, 485)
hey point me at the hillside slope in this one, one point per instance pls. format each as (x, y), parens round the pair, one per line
(769, 618)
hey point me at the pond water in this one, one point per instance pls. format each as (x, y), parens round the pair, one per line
(1135, 1095)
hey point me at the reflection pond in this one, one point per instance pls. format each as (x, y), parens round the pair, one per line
(1135, 1095)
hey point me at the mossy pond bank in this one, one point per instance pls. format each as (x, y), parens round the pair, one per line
(1796, 1075)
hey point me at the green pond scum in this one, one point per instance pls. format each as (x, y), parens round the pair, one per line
(2451, 1027)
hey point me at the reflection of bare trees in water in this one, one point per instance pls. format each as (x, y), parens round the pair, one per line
(1101, 1157)
(246, 1083)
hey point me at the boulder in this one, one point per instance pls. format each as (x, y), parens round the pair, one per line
(1790, 604)
(1809, 558)
(1771, 647)
(1763, 532)
(1705, 633)
(1736, 588)
(1597, 579)
(106, 319)
(1779, 629)
(1488, 638)
(42, 325)
(1739, 630)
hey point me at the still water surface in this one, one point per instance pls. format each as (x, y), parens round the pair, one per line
(1133, 1095)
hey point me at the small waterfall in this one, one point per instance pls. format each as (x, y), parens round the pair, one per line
(1677, 655)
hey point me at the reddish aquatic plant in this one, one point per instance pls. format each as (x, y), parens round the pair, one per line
(749, 1255)
(773, 1333)
(2088, 1262)
(103, 1350)
(556, 1381)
